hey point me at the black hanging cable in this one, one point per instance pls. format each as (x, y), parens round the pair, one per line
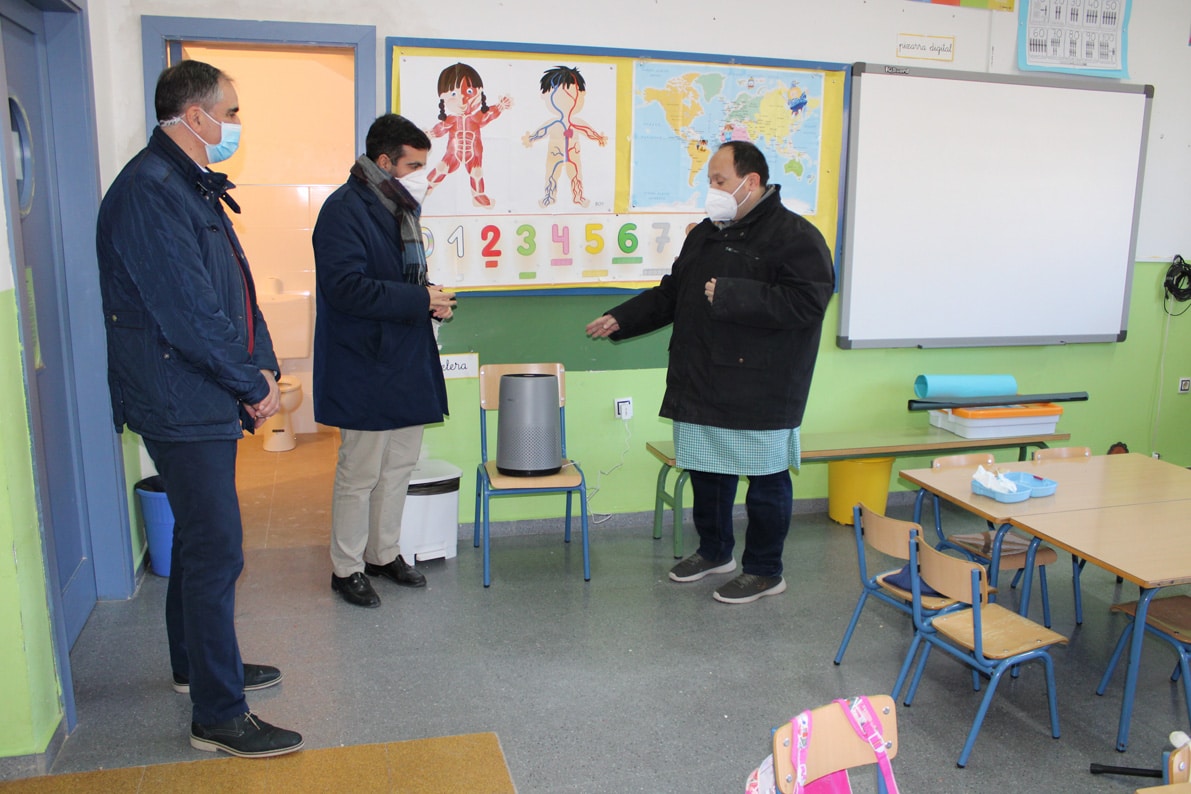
(1177, 284)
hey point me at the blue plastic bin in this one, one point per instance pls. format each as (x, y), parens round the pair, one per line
(159, 523)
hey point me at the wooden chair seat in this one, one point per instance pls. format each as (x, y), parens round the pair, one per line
(1171, 615)
(1013, 549)
(932, 603)
(566, 477)
(1006, 633)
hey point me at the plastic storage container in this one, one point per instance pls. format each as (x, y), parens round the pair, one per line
(999, 422)
(430, 522)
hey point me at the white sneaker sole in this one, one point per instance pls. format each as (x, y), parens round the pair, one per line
(727, 567)
(777, 589)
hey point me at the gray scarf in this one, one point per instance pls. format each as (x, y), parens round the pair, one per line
(397, 200)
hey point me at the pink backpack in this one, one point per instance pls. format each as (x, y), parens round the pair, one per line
(860, 714)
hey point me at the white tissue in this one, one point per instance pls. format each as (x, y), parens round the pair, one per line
(994, 482)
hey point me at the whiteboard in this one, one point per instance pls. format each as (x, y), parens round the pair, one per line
(989, 210)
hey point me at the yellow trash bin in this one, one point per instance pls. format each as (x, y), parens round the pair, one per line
(860, 480)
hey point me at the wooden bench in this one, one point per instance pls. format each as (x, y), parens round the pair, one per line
(850, 445)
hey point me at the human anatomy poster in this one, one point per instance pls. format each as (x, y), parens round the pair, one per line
(583, 169)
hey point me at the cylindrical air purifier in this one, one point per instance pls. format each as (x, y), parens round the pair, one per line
(528, 433)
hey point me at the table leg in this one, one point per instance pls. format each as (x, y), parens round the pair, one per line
(1139, 623)
(679, 483)
(1023, 452)
(659, 502)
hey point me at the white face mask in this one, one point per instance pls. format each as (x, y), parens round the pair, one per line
(417, 183)
(720, 205)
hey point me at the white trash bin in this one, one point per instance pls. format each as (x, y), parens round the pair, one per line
(430, 522)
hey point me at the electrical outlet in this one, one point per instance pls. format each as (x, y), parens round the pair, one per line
(624, 407)
(1184, 385)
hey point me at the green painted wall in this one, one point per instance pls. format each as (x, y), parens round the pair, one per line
(855, 389)
(852, 390)
(28, 679)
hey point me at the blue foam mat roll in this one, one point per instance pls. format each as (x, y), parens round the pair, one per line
(964, 385)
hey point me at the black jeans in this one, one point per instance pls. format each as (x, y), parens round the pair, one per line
(206, 560)
(769, 504)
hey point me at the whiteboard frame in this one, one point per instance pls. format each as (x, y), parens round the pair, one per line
(854, 334)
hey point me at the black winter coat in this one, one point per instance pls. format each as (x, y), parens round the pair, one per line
(744, 361)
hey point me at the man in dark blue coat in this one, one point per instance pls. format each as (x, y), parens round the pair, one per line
(377, 375)
(190, 365)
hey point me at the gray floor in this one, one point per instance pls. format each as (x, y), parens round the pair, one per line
(628, 683)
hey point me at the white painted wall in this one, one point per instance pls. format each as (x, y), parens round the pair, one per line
(830, 30)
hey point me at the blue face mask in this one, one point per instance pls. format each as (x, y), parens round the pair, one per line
(229, 139)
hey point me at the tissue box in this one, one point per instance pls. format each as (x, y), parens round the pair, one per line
(999, 421)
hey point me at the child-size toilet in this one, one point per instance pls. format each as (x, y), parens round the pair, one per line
(290, 326)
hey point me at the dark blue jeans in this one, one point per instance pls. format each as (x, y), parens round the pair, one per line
(206, 560)
(769, 503)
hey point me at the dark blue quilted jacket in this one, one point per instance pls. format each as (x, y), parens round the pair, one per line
(178, 300)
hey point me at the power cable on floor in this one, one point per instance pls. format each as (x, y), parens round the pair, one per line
(599, 518)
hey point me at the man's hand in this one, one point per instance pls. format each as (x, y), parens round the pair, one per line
(709, 291)
(602, 327)
(442, 303)
(268, 406)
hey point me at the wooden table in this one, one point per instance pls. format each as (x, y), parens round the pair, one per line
(1098, 502)
(851, 445)
(1157, 556)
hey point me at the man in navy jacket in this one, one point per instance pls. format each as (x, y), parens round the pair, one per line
(190, 364)
(377, 375)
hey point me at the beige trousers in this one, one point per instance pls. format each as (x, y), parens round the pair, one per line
(371, 480)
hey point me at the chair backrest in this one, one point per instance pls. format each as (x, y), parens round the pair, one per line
(890, 536)
(951, 576)
(1178, 765)
(1054, 453)
(971, 459)
(834, 744)
(490, 375)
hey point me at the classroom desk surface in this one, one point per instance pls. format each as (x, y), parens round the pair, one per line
(1084, 483)
(1144, 543)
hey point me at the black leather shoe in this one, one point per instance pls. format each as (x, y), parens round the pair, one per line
(399, 571)
(355, 589)
(256, 676)
(246, 736)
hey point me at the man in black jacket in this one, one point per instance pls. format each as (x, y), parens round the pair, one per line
(746, 297)
(190, 363)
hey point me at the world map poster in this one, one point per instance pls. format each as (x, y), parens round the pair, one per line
(582, 169)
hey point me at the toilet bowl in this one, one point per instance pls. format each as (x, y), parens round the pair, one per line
(291, 329)
(278, 431)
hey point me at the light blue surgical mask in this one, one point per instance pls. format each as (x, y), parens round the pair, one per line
(229, 138)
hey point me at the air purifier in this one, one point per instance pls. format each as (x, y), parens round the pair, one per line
(529, 429)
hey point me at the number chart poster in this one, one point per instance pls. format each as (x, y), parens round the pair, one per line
(583, 167)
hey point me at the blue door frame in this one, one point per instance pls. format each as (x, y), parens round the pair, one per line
(161, 39)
